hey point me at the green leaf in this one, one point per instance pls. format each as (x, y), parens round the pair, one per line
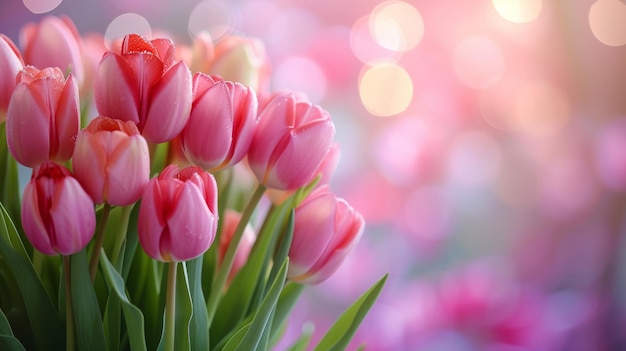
(303, 341)
(45, 324)
(132, 315)
(199, 328)
(112, 321)
(339, 335)
(263, 316)
(9, 231)
(7, 340)
(284, 246)
(9, 178)
(288, 298)
(184, 310)
(87, 317)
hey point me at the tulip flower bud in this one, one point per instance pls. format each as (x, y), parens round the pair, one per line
(43, 116)
(57, 214)
(10, 64)
(221, 123)
(53, 42)
(178, 214)
(326, 230)
(112, 161)
(290, 141)
(143, 84)
(230, 222)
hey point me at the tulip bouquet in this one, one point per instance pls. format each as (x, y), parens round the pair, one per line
(174, 204)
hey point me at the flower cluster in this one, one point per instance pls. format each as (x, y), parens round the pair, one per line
(164, 162)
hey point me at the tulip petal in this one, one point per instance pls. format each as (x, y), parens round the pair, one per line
(74, 217)
(117, 89)
(67, 120)
(34, 226)
(89, 161)
(128, 168)
(152, 218)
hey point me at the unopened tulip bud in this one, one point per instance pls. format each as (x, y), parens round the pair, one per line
(112, 161)
(10, 64)
(57, 214)
(178, 214)
(43, 116)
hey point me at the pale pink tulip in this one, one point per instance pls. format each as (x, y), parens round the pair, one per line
(326, 231)
(143, 84)
(43, 116)
(112, 161)
(57, 214)
(221, 124)
(290, 141)
(230, 221)
(10, 64)
(178, 214)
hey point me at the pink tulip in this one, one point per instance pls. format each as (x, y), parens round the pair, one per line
(326, 230)
(112, 161)
(178, 214)
(200, 55)
(10, 64)
(144, 85)
(230, 222)
(57, 214)
(43, 116)
(221, 124)
(53, 42)
(290, 142)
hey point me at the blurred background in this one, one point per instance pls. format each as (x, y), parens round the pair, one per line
(484, 141)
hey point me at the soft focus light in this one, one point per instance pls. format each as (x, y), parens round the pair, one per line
(479, 62)
(364, 46)
(518, 11)
(386, 89)
(124, 24)
(41, 6)
(474, 159)
(541, 109)
(607, 19)
(214, 17)
(396, 25)
(302, 75)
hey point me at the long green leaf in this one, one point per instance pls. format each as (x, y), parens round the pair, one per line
(46, 326)
(8, 341)
(198, 330)
(87, 317)
(184, 310)
(288, 298)
(9, 231)
(339, 335)
(112, 322)
(132, 315)
(9, 178)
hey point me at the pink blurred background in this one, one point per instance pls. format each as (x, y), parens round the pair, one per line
(484, 141)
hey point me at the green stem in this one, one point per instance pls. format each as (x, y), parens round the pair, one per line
(229, 257)
(170, 307)
(120, 238)
(38, 263)
(69, 313)
(95, 253)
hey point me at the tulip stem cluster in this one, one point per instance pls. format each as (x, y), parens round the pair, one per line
(95, 255)
(222, 274)
(69, 313)
(170, 307)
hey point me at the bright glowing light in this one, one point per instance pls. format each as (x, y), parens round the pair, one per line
(479, 62)
(541, 109)
(364, 46)
(303, 75)
(386, 89)
(124, 24)
(396, 25)
(518, 11)
(210, 16)
(41, 6)
(607, 19)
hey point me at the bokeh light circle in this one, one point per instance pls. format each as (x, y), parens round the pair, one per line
(479, 62)
(385, 88)
(518, 11)
(41, 6)
(396, 25)
(541, 109)
(214, 17)
(301, 74)
(607, 19)
(125, 24)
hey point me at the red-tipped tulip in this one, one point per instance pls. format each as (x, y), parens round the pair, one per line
(230, 222)
(143, 84)
(326, 230)
(43, 116)
(290, 141)
(53, 42)
(10, 64)
(57, 214)
(112, 161)
(178, 214)
(221, 124)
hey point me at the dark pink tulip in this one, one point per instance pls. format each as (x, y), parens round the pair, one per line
(53, 42)
(221, 124)
(326, 230)
(290, 141)
(178, 214)
(10, 64)
(43, 116)
(112, 161)
(143, 84)
(57, 214)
